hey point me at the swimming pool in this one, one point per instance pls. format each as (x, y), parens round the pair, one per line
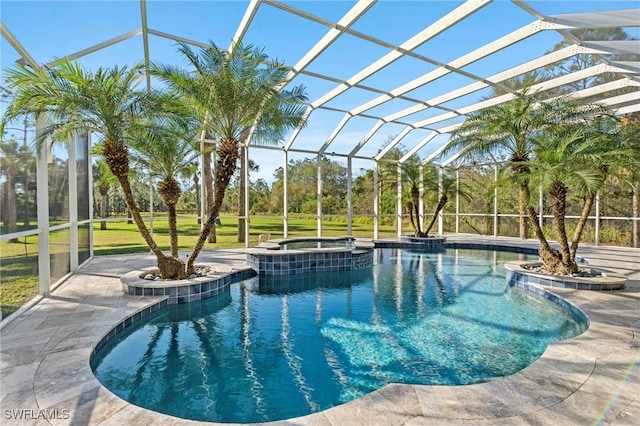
(281, 347)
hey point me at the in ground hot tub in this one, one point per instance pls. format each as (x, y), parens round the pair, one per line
(301, 255)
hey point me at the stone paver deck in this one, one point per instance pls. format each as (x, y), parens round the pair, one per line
(591, 379)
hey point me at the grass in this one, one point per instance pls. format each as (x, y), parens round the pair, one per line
(19, 260)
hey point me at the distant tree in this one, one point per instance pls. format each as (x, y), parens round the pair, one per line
(583, 61)
(10, 168)
(103, 179)
(303, 179)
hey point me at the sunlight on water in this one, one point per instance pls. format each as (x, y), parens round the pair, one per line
(273, 349)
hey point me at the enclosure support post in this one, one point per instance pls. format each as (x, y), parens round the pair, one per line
(319, 195)
(540, 208)
(440, 192)
(245, 152)
(349, 196)
(72, 171)
(399, 201)
(376, 199)
(151, 205)
(495, 200)
(90, 179)
(421, 197)
(203, 200)
(457, 201)
(285, 194)
(597, 236)
(42, 185)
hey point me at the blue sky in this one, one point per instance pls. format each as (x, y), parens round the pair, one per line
(50, 29)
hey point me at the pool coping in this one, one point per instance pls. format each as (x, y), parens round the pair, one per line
(591, 378)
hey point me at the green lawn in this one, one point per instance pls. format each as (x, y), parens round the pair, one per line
(19, 260)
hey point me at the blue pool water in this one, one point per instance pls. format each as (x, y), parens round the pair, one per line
(281, 347)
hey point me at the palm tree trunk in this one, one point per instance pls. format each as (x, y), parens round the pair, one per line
(409, 207)
(416, 211)
(577, 234)
(415, 200)
(441, 203)
(170, 267)
(173, 229)
(226, 167)
(208, 191)
(558, 194)
(523, 199)
(551, 258)
(137, 218)
(241, 200)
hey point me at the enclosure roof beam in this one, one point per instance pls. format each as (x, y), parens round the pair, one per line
(543, 61)
(543, 86)
(99, 46)
(420, 145)
(247, 18)
(332, 35)
(335, 132)
(13, 41)
(394, 142)
(368, 136)
(439, 26)
(486, 50)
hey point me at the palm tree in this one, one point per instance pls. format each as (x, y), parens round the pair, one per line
(506, 129)
(73, 100)
(166, 156)
(447, 190)
(630, 130)
(576, 156)
(231, 91)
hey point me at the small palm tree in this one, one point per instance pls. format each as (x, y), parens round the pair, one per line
(505, 129)
(166, 155)
(575, 157)
(73, 100)
(447, 190)
(410, 174)
(231, 92)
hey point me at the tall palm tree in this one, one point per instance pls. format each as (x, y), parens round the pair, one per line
(506, 129)
(73, 100)
(166, 155)
(230, 91)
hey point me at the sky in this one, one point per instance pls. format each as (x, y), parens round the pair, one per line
(53, 29)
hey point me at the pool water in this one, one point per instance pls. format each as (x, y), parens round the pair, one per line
(281, 347)
(318, 244)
